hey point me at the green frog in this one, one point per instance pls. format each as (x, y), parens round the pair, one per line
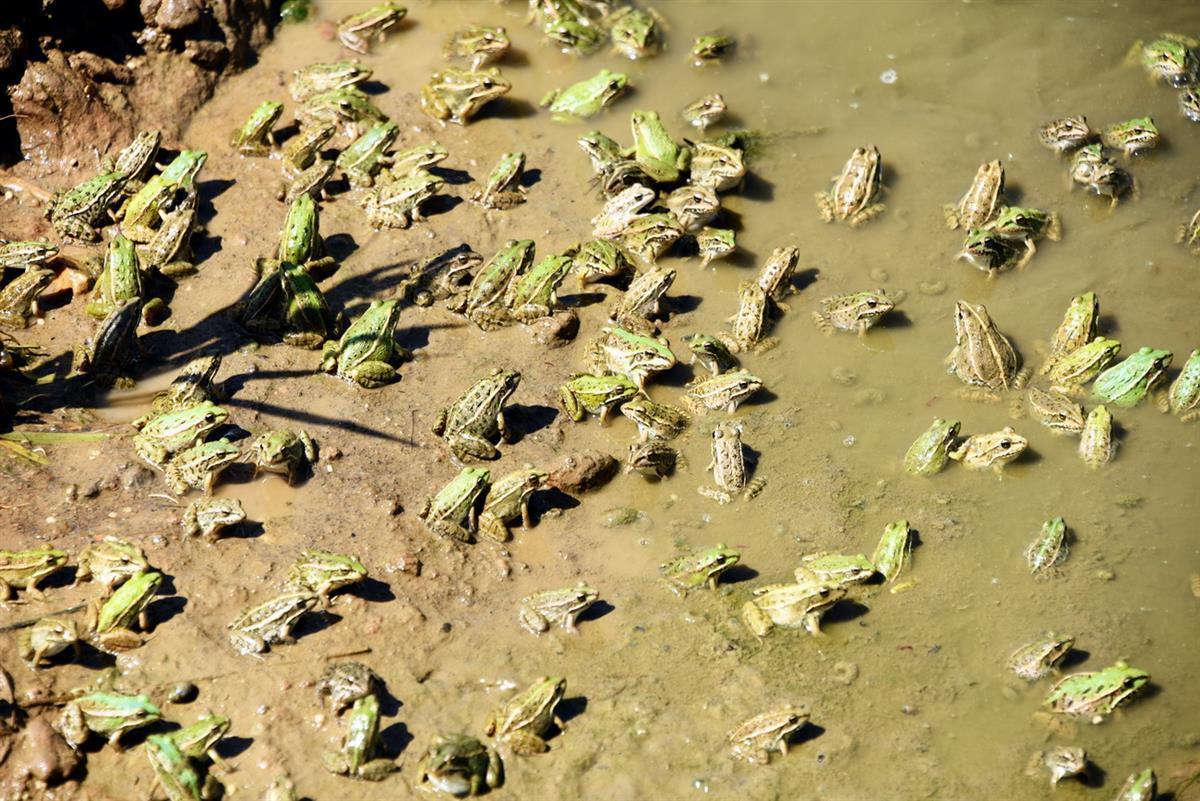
(835, 569)
(1084, 363)
(1096, 446)
(313, 79)
(413, 160)
(308, 320)
(982, 355)
(693, 206)
(1025, 226)
(345, 109)
(600, 260)
(135, 160)
(26, 254)
(1132, 137)
(109, 714)
(207, 517)
(324, 573)
(110, 563)
(656, 421)
(635, 356)
(704, 111)
(358, 31)
(562, 607)
(790, 606)
(456, 95)
(172, 432)
(77, 213)
(893, 550)
(1127, 383)
(718, 167)
(169, 251)
(587, 97)
(304, 150)
(397, 204)
(471, 422)
(1188, 234)
(648, 236)
(484, 298)
(108, 357)
(636, 33)
(711, 353)
(1066, 134)
(502, 189)
(775, 278)
(365, 352)
(195, 383)
(699, 568)
(345, 683)
(992, 253)
(142, 213)
(659, 156)
(176, 773)
(478, 45)
(728, 463)
(300, 241)
(642, 300)
(255, 137)
(283, 451)
(1064, 762)
(622, 210)
(367, 155)
(857, 311)
(112, 621)
(453, 512)
(981, 200)
(725, 391)
(853, 191)
(1183, 398)
(1170, 57)
(1189, 103)
(18, 299)
(1094, 695)
(1049, 548)
(930, 453)
(121, 278)
(1100, 175)
(200, 739)
(755, 740)
(46, 639)
(574, 37)
(1040, 658)
(1077, 328)
(1056, 411)
(714, 243)
(995, 450)
(199, 466)
(508, 499)
(459, 765)
(520, 724)
(27, 569)
(585, 394)
(1141, 786)
(711, 47)
(259, 627)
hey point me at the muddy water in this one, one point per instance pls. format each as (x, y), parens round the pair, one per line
(908, 693)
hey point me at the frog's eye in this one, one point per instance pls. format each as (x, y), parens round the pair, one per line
(872, 303)
(1005, 444)
(209, 417)
(487, 83)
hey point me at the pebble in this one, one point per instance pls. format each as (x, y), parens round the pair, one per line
(621, 516)
(932, 287)
(182, 692)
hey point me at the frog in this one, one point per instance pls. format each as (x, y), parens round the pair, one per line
(22, 255)
(1100, 175)
(308, 321)
(714, 243)
(775, 278)
(366, 350)
(728, 463)
(1064, 762)
(656, 421)
(992, 253)
(175, 431)
(574, 37)
(981, 200)
(1066, 134)
(195, 383)
(503, 189)
(120, 279)
(982, 356)
(1082, 364)
(561, 607)
(110, 563)
(18, 299)
(693, 206)
(300, 241)
(283, 451)
(346, 109)
(200, 739)
(459, 765)
(169, 251)
(621, 210)
(1141, 786)
(1183, 398)
(257, 628)
(78, 213)
(834, 569)
(109, 714)
(520, 724)
(856, 311)
(710, 48)
(698, 568)
(1025, 226)
(324, 573)
(586, 98)
(755, 740)
(255, 137)
(455, 95)
(790, 606)
(711, 353)
(304, 150)
(309, 181)
(508, 499)
(1095, 695)
(365, 156)
(1189, 103)
(585, 394)
(1041, 657)
(1049, 548)
(642, 300)
(177, 775)
(636, 33)
(1055, 411)
(725, 391)
(109, 356)
(654, 150)
(46, 639)
(850, 199)
(397, 204)
(142, 213)
(199, 466)
(995, 450)
(111, 622)
(1132, 137)
(358, 757)
(893, 550)
(1171, 58)
(653, 459)
(1127, 383)
(600, 260)
(478, 45)
(207, 517)
(358, 31)
(749, 322)
(930, 453)
(619, 351)
(1096, 446)
(471, 422)
(483, 302)
(135, 160)
(1188, 234)
(603, 152)
(414, 160)
(1077, 328)
(347, 682)
(453, 512)
(648, 236)
(313, 79)
(718, 167)
(704, 111)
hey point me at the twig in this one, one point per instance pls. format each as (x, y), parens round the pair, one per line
(22, 624)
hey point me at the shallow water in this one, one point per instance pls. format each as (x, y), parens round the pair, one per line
(655, 682)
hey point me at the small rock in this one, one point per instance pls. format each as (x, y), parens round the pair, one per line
(582, 471)
(407, 563)
(182, 692)
(621, 516)
(136, 476)
(556, 330)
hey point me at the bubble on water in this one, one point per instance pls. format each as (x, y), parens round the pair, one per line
(849, 441)
(889, 76)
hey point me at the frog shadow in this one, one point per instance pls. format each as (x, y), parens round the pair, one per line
(372, 87)
(757, 188)
(678, 376)
(230, 747)
(682, 304)
(741, 258)
(395, 739)
(340, 246)
(549, 498)
(896, 318)
(416, 337)
(1074, 658)
(526, 419)
(761, 398)
(1094, 776)
(530, 177)
(314, 622)
(728, 218)
(1029, 457)
(91, 657)
(579, 300)
(389, 704)
(1107, 325)
(844, 611)
(372, 590)
(568, 709)
(247, 529)
(163, 610)
(596, 611)
(738, 574)
(452, 176)
(208, 190)
(803, 279)
(440, 204)
(354, 293)
(507, 108)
